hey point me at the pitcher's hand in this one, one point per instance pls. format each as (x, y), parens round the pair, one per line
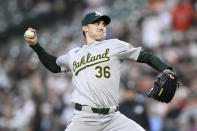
(34, 40)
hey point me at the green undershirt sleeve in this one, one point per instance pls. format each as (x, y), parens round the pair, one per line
(153, 61)
(48, 60)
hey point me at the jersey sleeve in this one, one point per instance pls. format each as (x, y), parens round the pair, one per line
(125, 50)
(63, 62)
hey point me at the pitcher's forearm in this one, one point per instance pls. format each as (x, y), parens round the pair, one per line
(152, 60)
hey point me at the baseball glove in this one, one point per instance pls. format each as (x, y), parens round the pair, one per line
(164, 87)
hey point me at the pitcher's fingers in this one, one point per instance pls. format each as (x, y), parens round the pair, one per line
(31, 29)
(171, 76)
(30, 40)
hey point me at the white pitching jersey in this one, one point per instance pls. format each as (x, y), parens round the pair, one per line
(96, 71)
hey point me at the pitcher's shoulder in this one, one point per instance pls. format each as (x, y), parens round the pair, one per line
(113, 42)
(74, 50)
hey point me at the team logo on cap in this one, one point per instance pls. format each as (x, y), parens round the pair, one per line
(97, 13)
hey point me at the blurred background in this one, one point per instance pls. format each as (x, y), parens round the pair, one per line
(33, 99)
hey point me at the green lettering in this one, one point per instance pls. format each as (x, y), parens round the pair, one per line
(74, 65)
(98, 57)
(92, 58)
(104, 55)
(78, 64)
(88, 57)
(83, 60)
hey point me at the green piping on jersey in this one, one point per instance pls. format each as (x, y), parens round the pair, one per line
(77, 72)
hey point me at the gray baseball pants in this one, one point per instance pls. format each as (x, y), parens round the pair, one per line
(87, 121)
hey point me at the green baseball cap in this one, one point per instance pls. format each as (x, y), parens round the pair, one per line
(93, 17)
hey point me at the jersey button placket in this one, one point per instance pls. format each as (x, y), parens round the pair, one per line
(89, 73)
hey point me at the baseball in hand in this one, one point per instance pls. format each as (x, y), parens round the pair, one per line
(29, 34)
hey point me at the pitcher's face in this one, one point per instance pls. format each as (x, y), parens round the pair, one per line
(97, 31)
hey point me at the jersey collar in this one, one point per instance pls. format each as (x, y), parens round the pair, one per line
(92, 44)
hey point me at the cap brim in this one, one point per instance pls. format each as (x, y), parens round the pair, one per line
(105, 18)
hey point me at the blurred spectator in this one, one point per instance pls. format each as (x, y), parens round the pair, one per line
(156, 25)
(188, 117)
(133, 106)
(183, 15)
(155, 5)
(175, 109)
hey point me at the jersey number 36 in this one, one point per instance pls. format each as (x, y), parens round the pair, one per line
(103, 72)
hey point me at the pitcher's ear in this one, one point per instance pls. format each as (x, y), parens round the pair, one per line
(85, 28)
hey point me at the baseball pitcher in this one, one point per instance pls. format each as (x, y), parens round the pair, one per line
(96, 75)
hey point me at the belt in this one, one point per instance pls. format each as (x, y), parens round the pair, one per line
(104, 111)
